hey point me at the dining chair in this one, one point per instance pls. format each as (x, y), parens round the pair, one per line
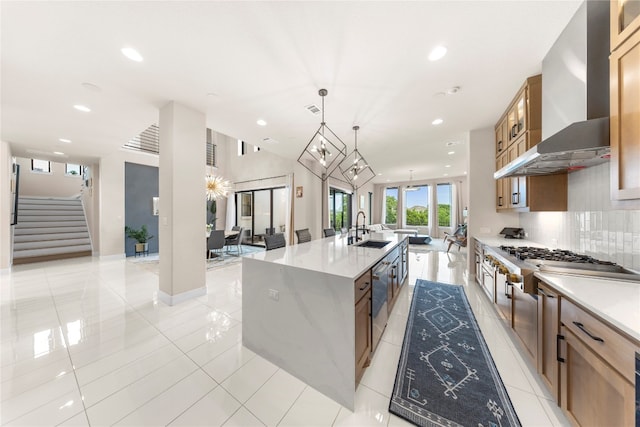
(303, 235)
(235, 241)
(329, 232)
(269, 231)
(215, 243)
(275, 241)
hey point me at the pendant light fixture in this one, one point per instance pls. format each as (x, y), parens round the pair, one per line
(354, 167)
(410, 187)
(325, 150)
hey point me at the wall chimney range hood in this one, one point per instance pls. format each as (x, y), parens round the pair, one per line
(575, 99)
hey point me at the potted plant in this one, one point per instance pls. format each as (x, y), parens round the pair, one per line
(141, 236)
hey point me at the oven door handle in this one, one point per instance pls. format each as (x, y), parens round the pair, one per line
(506, 290)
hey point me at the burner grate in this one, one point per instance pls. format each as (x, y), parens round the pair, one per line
(528, 252)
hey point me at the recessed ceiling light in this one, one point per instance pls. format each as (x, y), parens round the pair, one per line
(437, 122)
(465, 172)
(261, 122)
(446, 174)
(437, 53)
(447, 166)
(453, 90)
(451, 143)
(65, 140)
(451, 152)
(58, 153)
(379, 173)
(132, 54)
(82, 108)
(388, 180)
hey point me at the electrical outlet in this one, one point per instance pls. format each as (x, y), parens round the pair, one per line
(526, 234)
(274, 294)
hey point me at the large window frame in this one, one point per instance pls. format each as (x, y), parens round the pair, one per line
(416, 206)
(391, 194)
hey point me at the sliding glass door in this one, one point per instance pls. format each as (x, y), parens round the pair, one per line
(261, 212)
(339, 209)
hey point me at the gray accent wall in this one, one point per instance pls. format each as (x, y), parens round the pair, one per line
(141, 185)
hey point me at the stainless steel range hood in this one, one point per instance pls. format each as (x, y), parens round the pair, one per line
(575, 99)
(577, 146)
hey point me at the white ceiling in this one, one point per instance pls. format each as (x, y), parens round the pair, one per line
(241, 61)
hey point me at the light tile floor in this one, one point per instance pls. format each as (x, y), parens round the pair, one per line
(86, 342)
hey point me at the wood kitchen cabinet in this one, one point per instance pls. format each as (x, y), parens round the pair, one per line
(625, 20)
(597, 371)
(624, 86)
(363, 343)
(523, 131)
(548, 331)
(525, 320)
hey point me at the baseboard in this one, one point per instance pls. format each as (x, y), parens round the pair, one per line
(185, 296)
(111, 257)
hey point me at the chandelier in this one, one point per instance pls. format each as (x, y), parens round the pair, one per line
(325, 150)
(354, 167)
(216, 186)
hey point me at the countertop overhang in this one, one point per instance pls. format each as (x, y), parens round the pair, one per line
(331, 255)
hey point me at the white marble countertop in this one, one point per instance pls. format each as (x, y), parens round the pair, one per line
(330, 255)
(617, 302)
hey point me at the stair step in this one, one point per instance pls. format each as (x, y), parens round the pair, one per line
(38, 224)
(21, 246)
(27, 231)
(53, 257)
(50, 251)
(35, 201)
(40, 218)
(37, 237)
(49, 208)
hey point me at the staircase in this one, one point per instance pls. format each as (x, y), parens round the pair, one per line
(50, 228)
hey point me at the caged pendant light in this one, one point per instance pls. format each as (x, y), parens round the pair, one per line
(354, 168)
(325, 150)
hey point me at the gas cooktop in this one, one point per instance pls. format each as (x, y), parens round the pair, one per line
(567, 262)
(528, 252)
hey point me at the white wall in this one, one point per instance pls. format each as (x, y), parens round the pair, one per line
(108, 181)
(591, 225)
(483, 219)
(53, 184)
(90, 202)
(6, 239)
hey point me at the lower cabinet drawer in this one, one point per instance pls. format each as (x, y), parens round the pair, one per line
(362, 285)
(618, 351)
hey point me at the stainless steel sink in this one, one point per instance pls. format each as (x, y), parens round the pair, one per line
(373, 244)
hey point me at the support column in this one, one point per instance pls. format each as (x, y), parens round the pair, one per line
(182, 203)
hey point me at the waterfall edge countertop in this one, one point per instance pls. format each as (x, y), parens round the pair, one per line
(330, 255)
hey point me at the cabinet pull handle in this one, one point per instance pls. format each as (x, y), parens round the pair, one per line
(515, 198)
(499, 200)
(583, 329)
(558, 338)
(540, 291)
(366, 285)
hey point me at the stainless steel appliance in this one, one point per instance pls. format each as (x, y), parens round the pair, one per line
(379, 300)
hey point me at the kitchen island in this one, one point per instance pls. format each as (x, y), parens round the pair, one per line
(301, 304)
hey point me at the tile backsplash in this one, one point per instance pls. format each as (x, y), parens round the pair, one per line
(590, 226)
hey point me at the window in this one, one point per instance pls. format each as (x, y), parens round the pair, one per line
(391, 206)
(70, 169)
(40, 166)
(416, 204)
(444, 205)
(242, 148)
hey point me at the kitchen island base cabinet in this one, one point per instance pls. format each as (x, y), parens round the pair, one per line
(363, 341)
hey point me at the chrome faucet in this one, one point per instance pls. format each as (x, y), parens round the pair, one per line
(364, 219)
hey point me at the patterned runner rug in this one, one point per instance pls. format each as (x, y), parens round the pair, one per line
(446, 375)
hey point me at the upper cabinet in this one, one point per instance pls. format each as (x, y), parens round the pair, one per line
(518, 130)
(625, 20)
(624, 86)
